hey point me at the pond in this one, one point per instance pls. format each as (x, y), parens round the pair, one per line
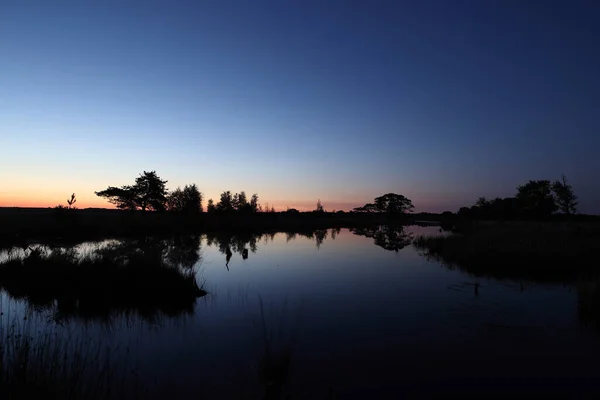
(360, 313)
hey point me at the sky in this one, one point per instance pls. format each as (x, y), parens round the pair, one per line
(343, 101)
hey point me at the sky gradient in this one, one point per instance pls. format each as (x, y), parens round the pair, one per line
(442, 101)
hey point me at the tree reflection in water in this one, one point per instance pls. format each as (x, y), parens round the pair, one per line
(392, 238)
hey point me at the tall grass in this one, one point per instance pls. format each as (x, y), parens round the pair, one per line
(50, 363)
(278, 338)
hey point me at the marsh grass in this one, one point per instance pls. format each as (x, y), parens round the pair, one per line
(274, 369)
(99, 285)
(559, 252)
(37, 363)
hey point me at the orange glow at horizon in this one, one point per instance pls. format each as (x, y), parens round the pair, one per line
(46, 197)
(24, 201)
(28, 200)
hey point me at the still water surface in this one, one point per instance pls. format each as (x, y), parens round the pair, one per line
(363, 321)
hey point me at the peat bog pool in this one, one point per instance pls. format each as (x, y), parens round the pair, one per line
(352, 314)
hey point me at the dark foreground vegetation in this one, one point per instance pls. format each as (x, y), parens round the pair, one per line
(115, 280)
(563, 252)
(148, 277)
(539, 251)
(111, 281)
(52, 366)
(152, 277)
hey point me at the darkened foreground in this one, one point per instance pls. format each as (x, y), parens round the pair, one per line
(150, 278)
(100, 285)
(51, 365)
(562, 252)
(337, 347)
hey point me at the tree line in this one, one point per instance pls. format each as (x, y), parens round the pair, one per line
(535, 199)
(149, 193)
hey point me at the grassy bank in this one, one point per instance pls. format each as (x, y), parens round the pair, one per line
(20, 224)
(520, 250)
(99, 285)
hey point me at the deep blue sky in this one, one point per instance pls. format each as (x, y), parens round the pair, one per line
(443, 101)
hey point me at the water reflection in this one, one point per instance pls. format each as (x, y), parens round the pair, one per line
(411, 323)
(228, 244)
(149, 277)
(243, 244)
(392, 238)
(153, 277)
(318, 235)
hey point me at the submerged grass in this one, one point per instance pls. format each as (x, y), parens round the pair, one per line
(274, 366)
(36, 364)
(532, 251)
(40, 360)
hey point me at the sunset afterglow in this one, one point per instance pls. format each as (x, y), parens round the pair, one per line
(297, 102)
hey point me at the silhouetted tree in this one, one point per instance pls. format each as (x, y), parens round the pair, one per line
(210, 207)
(368, 208)
(188, 200)
(508, 207)
(124, 197)
(241, 204)
(194, 197)
(151, 191)
(465, 212)
(565, 197)
(226, 202)
(536, 198)
(481, 202)
(240, 201)
(148, 192)
(254, 203)
(392, 203)
(176, 201)
(319, 208)
(268, 209)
